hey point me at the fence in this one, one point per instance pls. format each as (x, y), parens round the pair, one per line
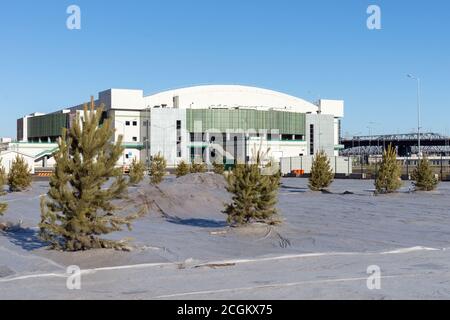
(367, 168)
(339, 165)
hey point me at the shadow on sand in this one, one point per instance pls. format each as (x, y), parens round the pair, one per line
(294, 189)
(200, 223)
(27, 239)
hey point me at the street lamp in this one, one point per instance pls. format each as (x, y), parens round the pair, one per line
(418, 110)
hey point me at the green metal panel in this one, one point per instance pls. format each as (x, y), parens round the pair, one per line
(48, 125)
(223, 120)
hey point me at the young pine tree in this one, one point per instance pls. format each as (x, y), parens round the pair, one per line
(198, 167)
(254, 194)
(19, 177)
(321, 172)
(79, 208)
(218, 167)
(424, 177)
(3, 207)
(388, 176)
(182, 169)
(137, 172)
(158, 169)
(3, 180)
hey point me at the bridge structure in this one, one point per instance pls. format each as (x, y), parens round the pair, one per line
(406, 144)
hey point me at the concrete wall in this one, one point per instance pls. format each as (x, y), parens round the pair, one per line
(324, 133)
(128, 124)
(163, 135)
(122, 99)
(8, 157)
(340, 165)
(332, 107)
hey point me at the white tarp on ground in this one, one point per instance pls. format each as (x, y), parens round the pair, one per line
(340, 165)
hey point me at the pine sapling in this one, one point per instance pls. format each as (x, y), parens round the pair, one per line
(3, 207)
(388, 176)
(137, 172)
(321, 172)
(157, 169)
(219, 168)
(254, 193)
(424, 177)
(19, 177)
(182, 169)
(199, 167)
(3, 180)
(80, 206)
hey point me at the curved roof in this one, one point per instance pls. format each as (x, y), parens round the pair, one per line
(229, 96)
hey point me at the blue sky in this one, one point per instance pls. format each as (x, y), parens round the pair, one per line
(304, 48)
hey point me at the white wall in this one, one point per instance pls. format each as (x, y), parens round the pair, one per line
(332, 107)
(8, 157)
(339, 165)
(277, 149)
(120, 119)
(122, 99)
(163, 135)
(324, 133)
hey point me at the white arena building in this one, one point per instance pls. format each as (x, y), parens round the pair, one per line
(212, 123)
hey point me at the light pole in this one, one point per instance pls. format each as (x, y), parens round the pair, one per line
(418, 110)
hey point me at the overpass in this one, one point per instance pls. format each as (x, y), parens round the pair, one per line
(406, 144)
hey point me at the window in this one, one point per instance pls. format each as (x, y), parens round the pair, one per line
(134, 123)
(127, 156)
(197, 137)
(179, 138)
(135, 139)
(127, 123)
(311, 139)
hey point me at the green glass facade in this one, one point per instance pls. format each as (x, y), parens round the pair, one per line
(49, 125)
(225, 120)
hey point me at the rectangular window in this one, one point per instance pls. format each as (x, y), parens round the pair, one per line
(135, 139)
(179, 138)
(134, 123)
(197, 137)
(311, 139)
(127, 123)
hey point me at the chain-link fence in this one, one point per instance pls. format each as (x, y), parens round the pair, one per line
(367, 168)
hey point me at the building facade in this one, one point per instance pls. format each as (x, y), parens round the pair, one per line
(205, 123)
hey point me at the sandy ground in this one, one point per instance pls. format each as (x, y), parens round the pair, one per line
(183, 248)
